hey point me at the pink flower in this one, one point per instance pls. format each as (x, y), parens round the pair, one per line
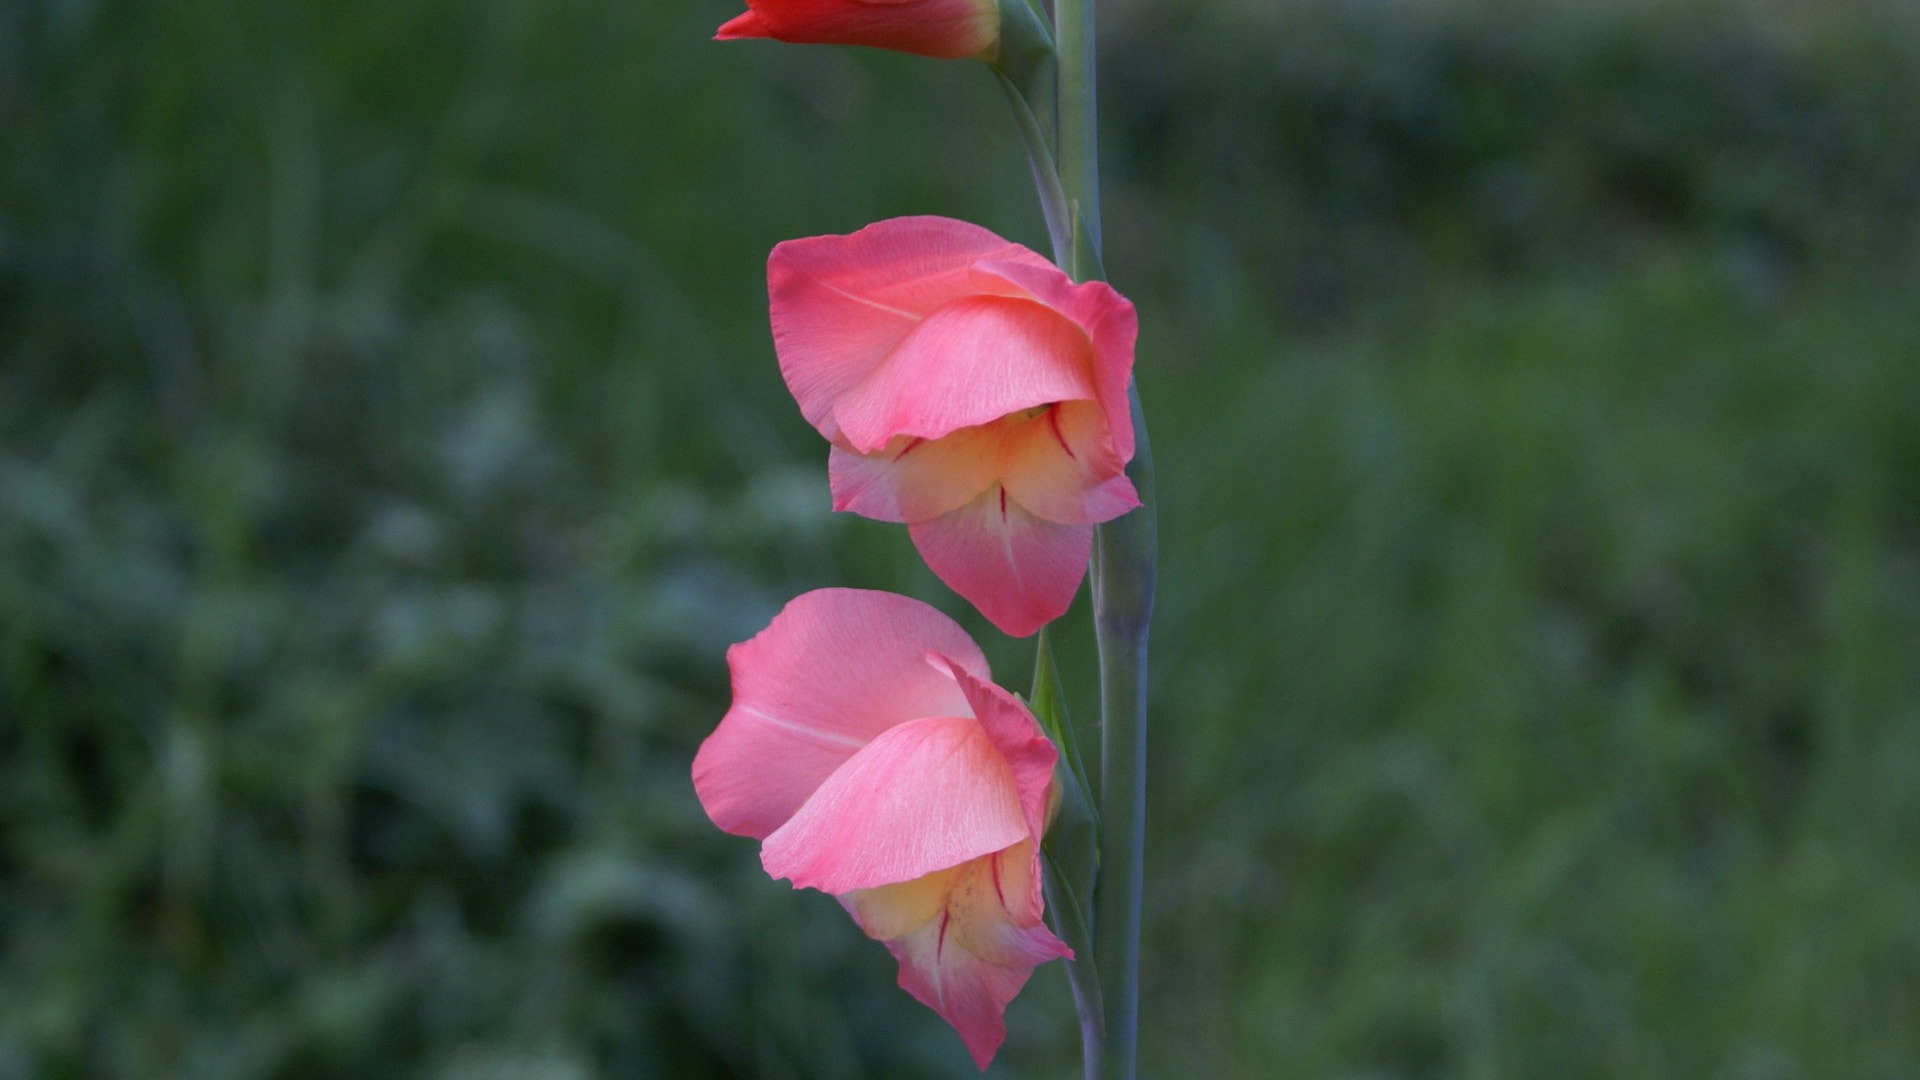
(869, 752)
(971, 391)
(944, 29)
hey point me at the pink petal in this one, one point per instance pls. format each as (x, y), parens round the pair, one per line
(922, 796)
(1107, 317)
(833, 670)
(1062, 467)
(969, 962)
(1029, 754)
(916, 479)
(839, 304)
(1021, 571)
(971, 362)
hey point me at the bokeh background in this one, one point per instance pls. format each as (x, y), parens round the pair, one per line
(390, 445)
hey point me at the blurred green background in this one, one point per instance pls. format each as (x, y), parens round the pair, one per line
(390, 445)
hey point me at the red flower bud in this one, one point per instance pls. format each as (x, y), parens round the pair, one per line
(943, 29)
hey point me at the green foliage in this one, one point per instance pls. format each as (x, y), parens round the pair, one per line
(390, 446)
(1561, 719)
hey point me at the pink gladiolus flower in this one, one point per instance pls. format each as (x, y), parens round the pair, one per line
(944, 29)
(870, 754)
(971, 391)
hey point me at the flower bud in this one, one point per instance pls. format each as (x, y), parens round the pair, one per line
(943, 29)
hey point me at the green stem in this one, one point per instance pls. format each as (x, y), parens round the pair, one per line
(1078, 111)
(1125, 554)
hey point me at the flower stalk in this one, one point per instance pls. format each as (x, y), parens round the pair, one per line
(1125, 555)
(1078, 111)
(1124, 573)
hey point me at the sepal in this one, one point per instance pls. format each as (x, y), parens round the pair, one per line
(1026, 46)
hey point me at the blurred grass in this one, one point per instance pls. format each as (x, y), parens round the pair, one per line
(390, 446)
